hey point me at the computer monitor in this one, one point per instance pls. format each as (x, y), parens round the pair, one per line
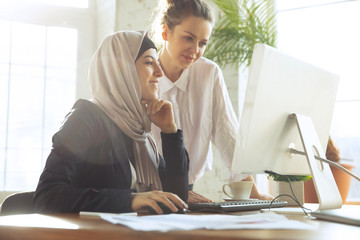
(278, 86)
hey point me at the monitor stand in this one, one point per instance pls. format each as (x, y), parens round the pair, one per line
(325, 185)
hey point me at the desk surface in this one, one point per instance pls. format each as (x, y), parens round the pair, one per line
(73, 226)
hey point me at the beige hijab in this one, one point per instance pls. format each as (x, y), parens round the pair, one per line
(115, 88)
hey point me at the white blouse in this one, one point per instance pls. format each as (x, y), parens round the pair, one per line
(203, 110)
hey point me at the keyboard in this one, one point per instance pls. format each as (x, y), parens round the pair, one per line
(235, 206)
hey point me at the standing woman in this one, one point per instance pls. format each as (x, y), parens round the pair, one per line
(195, 86)
(103, 157)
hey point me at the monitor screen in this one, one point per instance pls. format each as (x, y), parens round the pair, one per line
(278, 86)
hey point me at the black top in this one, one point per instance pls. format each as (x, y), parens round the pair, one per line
(88, 168)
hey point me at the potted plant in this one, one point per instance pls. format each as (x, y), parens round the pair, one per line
(289, 187)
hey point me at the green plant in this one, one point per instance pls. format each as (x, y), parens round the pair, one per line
(286, 178)
(243, 24)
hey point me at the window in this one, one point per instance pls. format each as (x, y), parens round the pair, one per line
(69, 3)
(39, 71)
(38, 80)
(326, 33)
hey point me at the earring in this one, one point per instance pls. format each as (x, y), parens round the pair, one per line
(164, 36)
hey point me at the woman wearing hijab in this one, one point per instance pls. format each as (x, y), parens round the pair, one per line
(103, 157)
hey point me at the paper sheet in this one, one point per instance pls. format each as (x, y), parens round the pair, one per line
(171, 222)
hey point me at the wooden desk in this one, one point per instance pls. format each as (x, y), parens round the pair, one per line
(72, 226)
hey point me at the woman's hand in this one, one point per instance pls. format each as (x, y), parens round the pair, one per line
(197, 198)
(141, 200)
(161, 114)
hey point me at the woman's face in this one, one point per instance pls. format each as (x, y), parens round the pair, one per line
(149, 72)
(186, 43)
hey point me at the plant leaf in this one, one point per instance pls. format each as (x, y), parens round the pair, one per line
(243, 24)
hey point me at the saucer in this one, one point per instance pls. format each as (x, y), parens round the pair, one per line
(238, 199)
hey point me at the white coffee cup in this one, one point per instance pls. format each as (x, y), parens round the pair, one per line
(239, 190)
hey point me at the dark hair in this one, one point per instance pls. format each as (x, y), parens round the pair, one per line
(173, 12)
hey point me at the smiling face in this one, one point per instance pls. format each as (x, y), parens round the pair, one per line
(149, 72)
(186, 42)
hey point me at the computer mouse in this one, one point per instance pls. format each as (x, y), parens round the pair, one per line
(165, 209)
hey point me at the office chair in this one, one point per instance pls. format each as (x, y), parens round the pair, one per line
(18, 203)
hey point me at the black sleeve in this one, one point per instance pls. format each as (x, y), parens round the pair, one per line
(175, 175)
(74, 179)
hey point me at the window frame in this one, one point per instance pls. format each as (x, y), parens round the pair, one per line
(81, 19)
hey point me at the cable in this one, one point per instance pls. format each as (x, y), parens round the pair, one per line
(287, 195)
(292, 150)
(304, 209)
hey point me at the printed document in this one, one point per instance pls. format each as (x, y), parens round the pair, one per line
(172, 222)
